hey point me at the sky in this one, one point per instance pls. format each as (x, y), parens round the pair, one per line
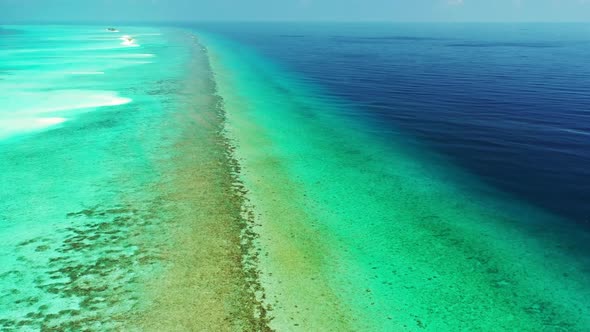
(294, 10)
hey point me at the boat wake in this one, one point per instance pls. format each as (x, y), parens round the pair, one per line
(128, 41)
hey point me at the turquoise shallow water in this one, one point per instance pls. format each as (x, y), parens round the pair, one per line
(79, 148)
(48, 75)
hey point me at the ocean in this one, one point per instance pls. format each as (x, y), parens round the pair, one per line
(504, 102)
(295, 176)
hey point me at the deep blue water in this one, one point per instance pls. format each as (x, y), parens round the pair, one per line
(509, 103)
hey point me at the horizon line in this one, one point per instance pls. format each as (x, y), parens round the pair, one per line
(10, 22)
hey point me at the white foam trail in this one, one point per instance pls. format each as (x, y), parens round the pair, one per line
(577, 132)
(128, 41)
(130, 44)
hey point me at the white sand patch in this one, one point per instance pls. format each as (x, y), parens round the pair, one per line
(60, 101)
(24, 112)
(12, 127)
